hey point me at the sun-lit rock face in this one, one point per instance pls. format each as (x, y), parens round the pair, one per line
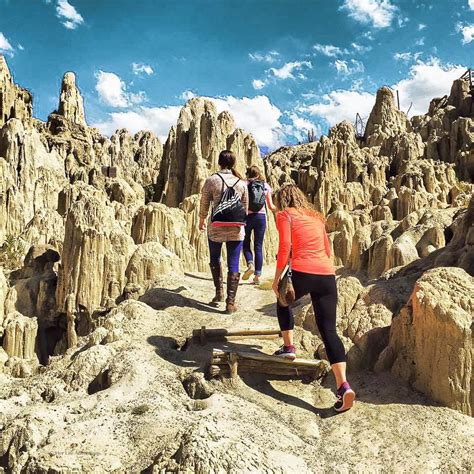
(398, 169)
(385, 120)
(71, 105)
(192, 150)
(99, 291)
(430, 343)
(15, 102)
(88, 199)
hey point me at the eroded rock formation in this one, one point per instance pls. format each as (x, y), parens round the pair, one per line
(431, 339)
(88, 262)
(192, 150)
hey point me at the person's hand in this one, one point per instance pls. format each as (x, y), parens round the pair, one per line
(275, 288)
(202, 225)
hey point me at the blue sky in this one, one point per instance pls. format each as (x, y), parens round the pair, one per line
(280, 66)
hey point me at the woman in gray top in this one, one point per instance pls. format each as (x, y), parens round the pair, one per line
(225, 189)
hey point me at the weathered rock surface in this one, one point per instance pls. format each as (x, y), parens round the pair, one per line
(192, 150)
(15, 102)
(158, 223)
(71, 105)
(82, 409)
(118, 373)
(431, 339)
(19, 339)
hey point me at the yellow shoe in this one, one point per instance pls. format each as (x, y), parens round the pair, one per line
(249, 272)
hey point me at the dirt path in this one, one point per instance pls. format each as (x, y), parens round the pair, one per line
(155, 412)
(390, 428)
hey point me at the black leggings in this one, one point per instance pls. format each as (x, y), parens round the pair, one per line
(323, 291)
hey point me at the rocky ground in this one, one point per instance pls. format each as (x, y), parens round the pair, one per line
(141, 403)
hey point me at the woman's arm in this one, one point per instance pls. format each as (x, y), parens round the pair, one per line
(284, 241)
(276, 279)
(284, 247)
(270, 204)
(204, 204)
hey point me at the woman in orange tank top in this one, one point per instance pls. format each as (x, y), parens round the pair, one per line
(302, 232)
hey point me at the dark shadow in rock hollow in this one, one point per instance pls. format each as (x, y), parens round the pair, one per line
(163, 298)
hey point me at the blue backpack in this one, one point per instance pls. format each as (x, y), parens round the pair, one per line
(256, 195)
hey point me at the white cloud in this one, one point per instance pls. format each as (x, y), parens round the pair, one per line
(68, 15)
(422, 26)
(186, 95)
(378, 12)
(402, 21)
(256, 115)
(347, 68)
(360, 48)
(137, 98)
(330, 50)
(342, 105)
(420, 42)
(286, 71)
(471, 4)
(269, 57)
(407, 57)
(139, 68)
(20, 47)
(424, 82)
(113, 91)
(258, 84)
(156, 119)
(467, 32)
(301, 123)
(5, 46)
(300, 127)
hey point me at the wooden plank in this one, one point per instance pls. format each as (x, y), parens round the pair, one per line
(223, 333)
(270, 358)
(227, 363)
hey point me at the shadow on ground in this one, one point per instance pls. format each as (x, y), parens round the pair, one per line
(163, 298)
(270, 309)
(194, 355)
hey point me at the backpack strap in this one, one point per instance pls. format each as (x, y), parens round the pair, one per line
(224, 182)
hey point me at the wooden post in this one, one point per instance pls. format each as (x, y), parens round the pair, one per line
(234, 365)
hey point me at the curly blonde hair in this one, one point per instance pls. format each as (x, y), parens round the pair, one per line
(291, 196)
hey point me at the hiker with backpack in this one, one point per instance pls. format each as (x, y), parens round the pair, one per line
(260, 199)
(227, 191)
(305, 252)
